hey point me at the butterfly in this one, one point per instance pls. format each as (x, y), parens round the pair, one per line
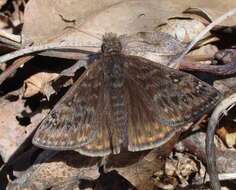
(124, 102)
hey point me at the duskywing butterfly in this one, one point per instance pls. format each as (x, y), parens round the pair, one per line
(124, 102)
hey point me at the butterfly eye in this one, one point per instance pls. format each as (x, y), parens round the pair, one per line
(103, 48)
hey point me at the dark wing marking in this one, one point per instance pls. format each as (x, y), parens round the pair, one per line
(178, 97)
(72, 122)
(162, 100)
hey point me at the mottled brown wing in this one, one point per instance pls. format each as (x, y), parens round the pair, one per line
(105, 140)
(161, 100)
(111, 131)
(73, 121)
(109, 137)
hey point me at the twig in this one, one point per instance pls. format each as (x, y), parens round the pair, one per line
(5, 42)
(15, 65)
(224, 176)
(175, 63)
(217, 114)
(222, 70)
(71, 45)
(9, 36)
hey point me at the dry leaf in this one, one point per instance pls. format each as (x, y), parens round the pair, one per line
(182, 29)
(53, 168)
(230, 139)
(48, 19)
(12, 134)
(204, 53)
(39, 82)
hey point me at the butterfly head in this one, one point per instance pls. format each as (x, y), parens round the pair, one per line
(111, 44)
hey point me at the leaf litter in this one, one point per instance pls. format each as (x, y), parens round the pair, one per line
(28, 94)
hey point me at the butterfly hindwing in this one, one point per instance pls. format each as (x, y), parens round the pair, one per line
(101, 145)
(73, 121)
(144, 129)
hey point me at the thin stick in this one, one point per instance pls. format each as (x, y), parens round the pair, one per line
(224, 176)
(175, 63)
(5, 42)
(15, 65)
(221, 70)
(9, 36)
(72, 45)
(219, 111)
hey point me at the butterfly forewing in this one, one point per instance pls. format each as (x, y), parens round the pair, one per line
(176, 97)
(73, 121)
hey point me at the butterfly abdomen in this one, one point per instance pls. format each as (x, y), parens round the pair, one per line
(115, 80)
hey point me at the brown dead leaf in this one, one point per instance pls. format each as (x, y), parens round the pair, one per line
(230, 139)
(53, 168)
(12, 134)
(182, 29)
(39, 82)
(48, 19)
(203, 53)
